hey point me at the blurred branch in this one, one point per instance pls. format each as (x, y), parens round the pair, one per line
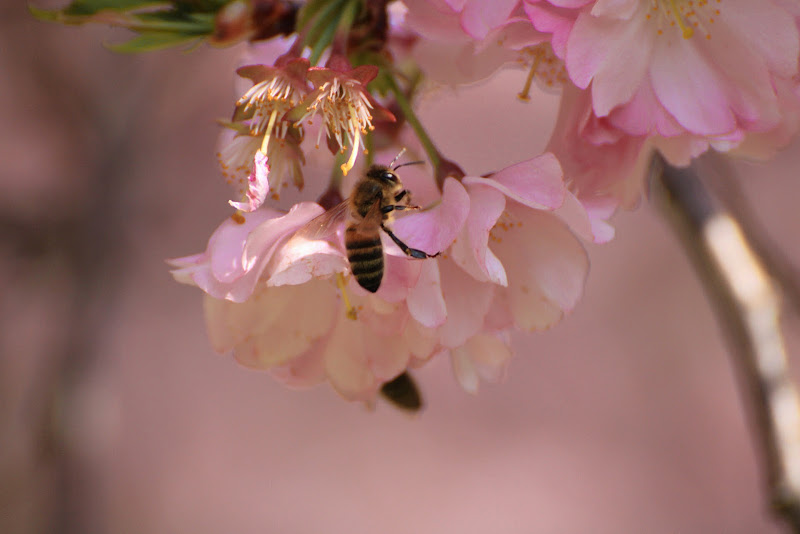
(747, 304)
(721, 180)
(84, 238)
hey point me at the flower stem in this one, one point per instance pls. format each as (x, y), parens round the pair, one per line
(413, 121)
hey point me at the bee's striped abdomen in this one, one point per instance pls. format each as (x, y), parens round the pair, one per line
(365, 254)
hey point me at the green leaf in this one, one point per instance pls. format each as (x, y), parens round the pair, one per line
(80, 11)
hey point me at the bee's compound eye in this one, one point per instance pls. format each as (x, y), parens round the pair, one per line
(389, 176)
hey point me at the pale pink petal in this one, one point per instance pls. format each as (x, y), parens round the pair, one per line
(744, 74)
(680, 150)
(519, 33)
(421, 341)
(686, 84)
(467, 303)
(599, 210)
(483, 356)
(470, 251)
(228, 323)
(304, 371)
(555, 20)
(346, 362)
(490, 355)
(644, 114)
(437, 22)
(400, 273)
(227, 244)
(464, 370)
(575, 216)
(425, 300)
(599, 51)
(262, 242)
(387, 355)
(767, 31)
(546, 267)
(220, 271)
(595, 170)
(258, 185)
(455, 5)
(569, 3)
(434, 230)
(300, 260)
(618, 9)
(382, 317)
(499, 316)
(291, 319)
(537, 183)
(479, 17)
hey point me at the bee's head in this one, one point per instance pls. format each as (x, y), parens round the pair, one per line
(383, 174)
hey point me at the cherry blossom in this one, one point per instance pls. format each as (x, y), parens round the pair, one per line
(706, 69)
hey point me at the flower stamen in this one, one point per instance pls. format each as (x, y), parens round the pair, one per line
(350, 312)
(525, 94)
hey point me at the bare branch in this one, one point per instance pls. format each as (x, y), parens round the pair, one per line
(748, 308)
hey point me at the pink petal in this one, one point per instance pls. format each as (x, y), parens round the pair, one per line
(537, 183)
(483, 356)
(434, 230)
(304, 371)
(290, 320)
(258, 185)
(381, 317)
(226, 245)
(440, 23)
(546, 267)
(421, 340)
(569, 3)
(470, 251)
(767, 31)
(387, 356)
(300, 260)
(575, 216)
(220, 271)
(618, 9)
(346, 362)
(464, 370)
(425, 300)
(227, 323)
(400, 273)
(479, 17)
(612, 54)
(467, 304)
(687, 85)
(263, 240)
(644, 114)
(555, 20)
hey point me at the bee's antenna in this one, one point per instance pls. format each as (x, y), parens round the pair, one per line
(409, 163)
(403, 151)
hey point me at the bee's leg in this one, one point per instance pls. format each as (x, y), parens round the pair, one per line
(397, 207)
(414, 253)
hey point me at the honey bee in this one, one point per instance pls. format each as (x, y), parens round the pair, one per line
(370, 209)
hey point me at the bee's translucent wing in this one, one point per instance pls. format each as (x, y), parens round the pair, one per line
(325, 224)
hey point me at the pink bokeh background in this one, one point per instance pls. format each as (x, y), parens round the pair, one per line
(117, 417)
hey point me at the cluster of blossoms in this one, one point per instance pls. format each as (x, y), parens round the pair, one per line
(634, 76)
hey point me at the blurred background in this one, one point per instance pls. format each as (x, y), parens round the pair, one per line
(117, 417)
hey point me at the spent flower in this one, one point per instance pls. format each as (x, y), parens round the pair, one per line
(341, 99)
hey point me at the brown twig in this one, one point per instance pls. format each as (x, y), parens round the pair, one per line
(747, 303)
